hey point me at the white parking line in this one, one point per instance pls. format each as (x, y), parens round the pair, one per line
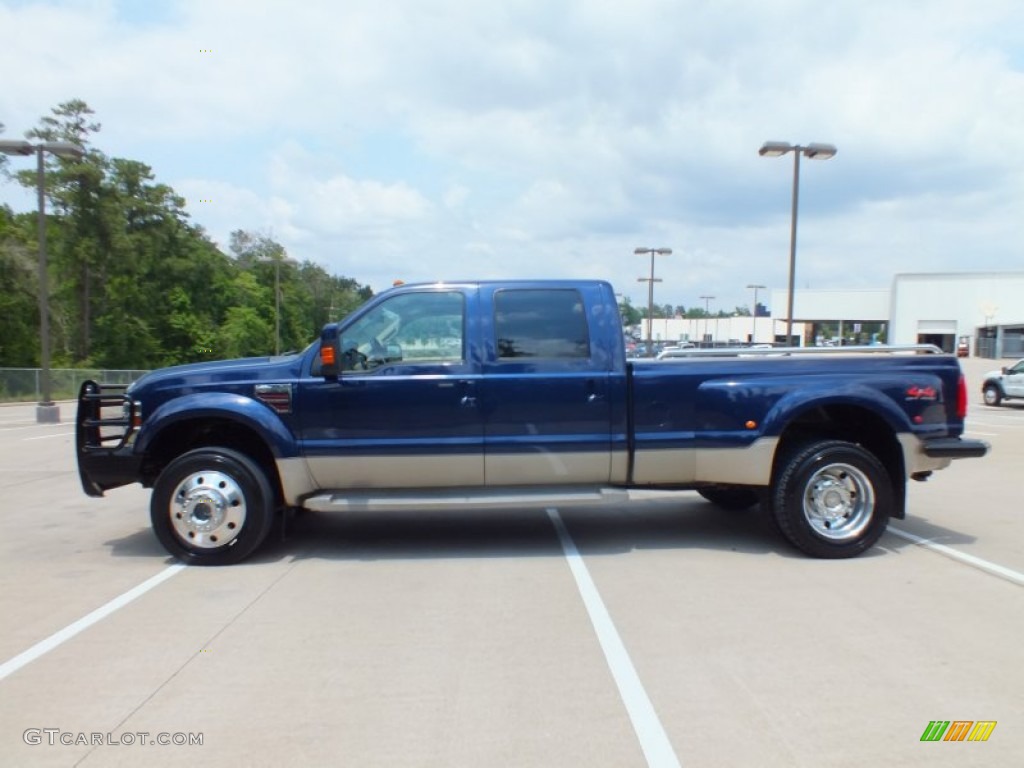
(62, 636)
(653, 739)
(998, 420)
(47, 437)
(996, 570)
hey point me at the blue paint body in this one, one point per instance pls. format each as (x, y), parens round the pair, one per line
(481, 407)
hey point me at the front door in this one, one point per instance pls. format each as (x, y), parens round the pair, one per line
(404, 412)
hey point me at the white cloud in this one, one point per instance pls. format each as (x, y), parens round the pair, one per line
(422, 138)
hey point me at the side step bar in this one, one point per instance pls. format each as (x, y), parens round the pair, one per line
(429, 499)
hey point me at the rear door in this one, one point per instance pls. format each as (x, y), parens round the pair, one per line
(545, 388)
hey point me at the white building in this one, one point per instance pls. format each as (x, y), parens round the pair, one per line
(988, 307)
(719, 331)
(937, 308)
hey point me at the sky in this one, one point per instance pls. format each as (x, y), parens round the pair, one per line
(460, 139)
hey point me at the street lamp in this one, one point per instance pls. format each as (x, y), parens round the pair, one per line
(47, 412)
(650, 292)
(814, 151)
(753, 331)
(707, 312)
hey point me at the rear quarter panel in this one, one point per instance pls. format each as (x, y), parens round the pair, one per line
(697, 419)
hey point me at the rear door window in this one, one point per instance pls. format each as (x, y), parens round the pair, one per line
(541, 323)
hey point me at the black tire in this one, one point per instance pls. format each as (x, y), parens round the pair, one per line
(212, 506)
(992, 394)
(831, 498)
(733, 498)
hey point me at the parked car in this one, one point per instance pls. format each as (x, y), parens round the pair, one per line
(1003, 384)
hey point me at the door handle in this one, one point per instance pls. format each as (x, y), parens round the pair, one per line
(468, 402)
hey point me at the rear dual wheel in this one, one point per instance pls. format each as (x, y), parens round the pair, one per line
(832, 498)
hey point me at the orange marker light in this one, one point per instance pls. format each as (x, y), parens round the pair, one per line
(327, 355)
(751, 425)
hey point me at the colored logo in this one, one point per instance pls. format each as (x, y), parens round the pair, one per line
(958, 730)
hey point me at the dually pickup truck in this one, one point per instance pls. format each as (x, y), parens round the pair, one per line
(519, 394)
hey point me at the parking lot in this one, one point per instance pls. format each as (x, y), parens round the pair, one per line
(662, 633)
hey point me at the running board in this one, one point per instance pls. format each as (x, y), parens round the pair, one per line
(429, 499)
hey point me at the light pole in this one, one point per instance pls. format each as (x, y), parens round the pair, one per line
(707, 312)
(814, 151)
(47, 412)
(753, 331)
(650, 292)
(277, 258)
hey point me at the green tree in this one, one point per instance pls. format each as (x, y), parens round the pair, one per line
(73, 192)
(630, 314)
(310, 297)
(19, 311)
(135, 284)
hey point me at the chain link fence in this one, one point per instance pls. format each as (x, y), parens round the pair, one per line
(25, 384)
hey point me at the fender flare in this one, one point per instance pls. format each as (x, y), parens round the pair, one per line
(220, 405)
(996, 381)
(794, 404)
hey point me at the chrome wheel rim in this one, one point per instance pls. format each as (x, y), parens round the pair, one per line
(991, 396)
(838, 502)
(207, 510)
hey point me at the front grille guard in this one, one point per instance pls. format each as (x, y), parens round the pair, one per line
(98, 427)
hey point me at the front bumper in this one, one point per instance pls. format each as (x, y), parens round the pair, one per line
(955, 448)
(102, 442)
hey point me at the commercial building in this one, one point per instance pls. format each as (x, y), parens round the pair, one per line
(985, 309)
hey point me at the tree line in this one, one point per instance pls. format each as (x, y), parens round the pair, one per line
(133, 282)
(633, 315)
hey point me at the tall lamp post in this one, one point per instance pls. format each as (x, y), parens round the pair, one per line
(814, 151)
(47, 412)
(753, 331)
(650, 292)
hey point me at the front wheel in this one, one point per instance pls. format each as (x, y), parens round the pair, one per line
(832, 499)
(212, 506)
(992, 394)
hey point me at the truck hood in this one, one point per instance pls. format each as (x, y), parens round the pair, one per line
(994, 374)
(249, 368)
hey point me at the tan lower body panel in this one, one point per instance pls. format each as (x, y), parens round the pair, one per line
(751, 465)
(397, 471)
(548, 468)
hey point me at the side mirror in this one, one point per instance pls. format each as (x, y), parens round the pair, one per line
(330, 352)
(1005, 370)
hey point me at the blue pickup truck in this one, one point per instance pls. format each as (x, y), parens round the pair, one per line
(513, 394)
